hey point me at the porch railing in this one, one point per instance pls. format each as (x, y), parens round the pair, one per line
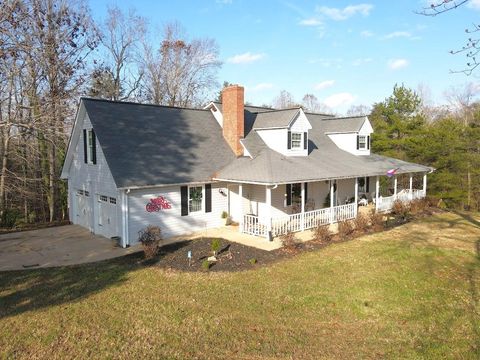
(386, 203)
(254, 225)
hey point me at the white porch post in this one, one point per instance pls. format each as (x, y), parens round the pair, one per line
(331, 203)
(240, 195)
(377, 190)
(268, 218)
(425, 184)
(302, 216)
(411, 187)
(395, 186)
(356, 196)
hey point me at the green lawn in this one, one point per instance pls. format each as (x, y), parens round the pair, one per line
(412, 292)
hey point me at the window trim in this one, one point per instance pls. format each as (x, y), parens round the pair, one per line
(364, 137)
(202, 204)
(300, 141)
(90, 146)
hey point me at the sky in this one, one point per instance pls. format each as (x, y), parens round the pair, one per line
(343, 52)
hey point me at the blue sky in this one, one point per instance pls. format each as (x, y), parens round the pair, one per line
(343, 52)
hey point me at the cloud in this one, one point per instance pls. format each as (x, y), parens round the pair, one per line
(361, 61)
(474, 4)
(347, 12)
(366, 33)
(396, 64)
(245, 58)
(340, 99)
(398, 34)
(261, 87)
(324, 84)
(310, 22)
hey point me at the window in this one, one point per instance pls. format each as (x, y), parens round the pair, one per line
(113, 200)
(86, 193)
(296, 142)
(90, 146)
(363, 185)
(103, 198)
(195, 197)
(362, 142)
(296, 194)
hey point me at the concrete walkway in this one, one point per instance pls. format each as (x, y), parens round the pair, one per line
(56, 246)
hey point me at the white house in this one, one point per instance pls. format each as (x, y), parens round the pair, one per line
(129, 165)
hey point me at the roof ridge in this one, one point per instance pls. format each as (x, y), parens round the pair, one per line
(278, 110)
(138, 103)
(346, 117)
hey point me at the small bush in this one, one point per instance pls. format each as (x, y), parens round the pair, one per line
(322, 233)
(150, 238)
(252, 261)
(289, 241)
(228, 221)
(400, 209)
(215, 246)
(224, 214)
(361, 223)
(418, 206)
(376, 221)
(345, 229)
(206, 265)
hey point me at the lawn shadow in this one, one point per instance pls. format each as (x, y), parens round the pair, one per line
(28, 290)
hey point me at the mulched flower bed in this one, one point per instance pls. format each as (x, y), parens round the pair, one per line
(236, 257)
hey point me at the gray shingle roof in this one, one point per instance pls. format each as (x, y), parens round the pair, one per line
(275, 118)
(147, 145)
(325, 161)
(334, 124)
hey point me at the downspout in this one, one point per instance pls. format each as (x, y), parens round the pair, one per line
(125, 211)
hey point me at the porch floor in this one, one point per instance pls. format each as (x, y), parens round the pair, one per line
(232, 234)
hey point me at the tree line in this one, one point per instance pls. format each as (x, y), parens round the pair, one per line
(51, 53)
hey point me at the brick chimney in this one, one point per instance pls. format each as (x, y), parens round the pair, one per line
(233, 117)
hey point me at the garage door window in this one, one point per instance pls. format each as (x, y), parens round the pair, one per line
(113, 200)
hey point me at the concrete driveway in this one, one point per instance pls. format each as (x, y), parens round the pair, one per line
(55, 246)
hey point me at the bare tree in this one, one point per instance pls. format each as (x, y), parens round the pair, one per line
(461, 99)
(118, 77)
(471, 48)
(182, 71)
(284, 100)
(358, 110)
(311, 103)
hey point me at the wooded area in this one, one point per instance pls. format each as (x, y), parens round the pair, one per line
(52, 52)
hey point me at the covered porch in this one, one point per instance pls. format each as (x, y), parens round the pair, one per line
(273, 210)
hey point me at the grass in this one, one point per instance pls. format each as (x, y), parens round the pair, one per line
(412, 292)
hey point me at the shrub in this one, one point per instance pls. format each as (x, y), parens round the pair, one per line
(400, 209)
(206, 265)
(376, 221)
(224, 214)
(252, 261)
(150, 238)
(322, 233)
(361, 223)
(289, 241)
(215, 246)
(418, 206)
(345, 229)
(228, 221)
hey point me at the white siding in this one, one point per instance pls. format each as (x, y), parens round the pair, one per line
(170, 220)
(95, 178)
(348, 141)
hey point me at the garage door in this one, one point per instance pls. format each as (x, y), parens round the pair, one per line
(84, 209)
(107, 216)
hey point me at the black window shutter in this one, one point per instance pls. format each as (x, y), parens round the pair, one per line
(305, 141)
(208, 198)
(306, 192)
(368, 142)
(85, 155)
(289, 194)
(94, 148)
(289, 145)
(367, 181)
(358, 142)
(184, 199)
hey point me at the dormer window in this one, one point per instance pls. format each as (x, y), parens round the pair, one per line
(296, 141)
(363, 142)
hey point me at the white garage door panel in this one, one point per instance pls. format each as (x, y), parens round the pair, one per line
(84, 210)
(107, 216)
